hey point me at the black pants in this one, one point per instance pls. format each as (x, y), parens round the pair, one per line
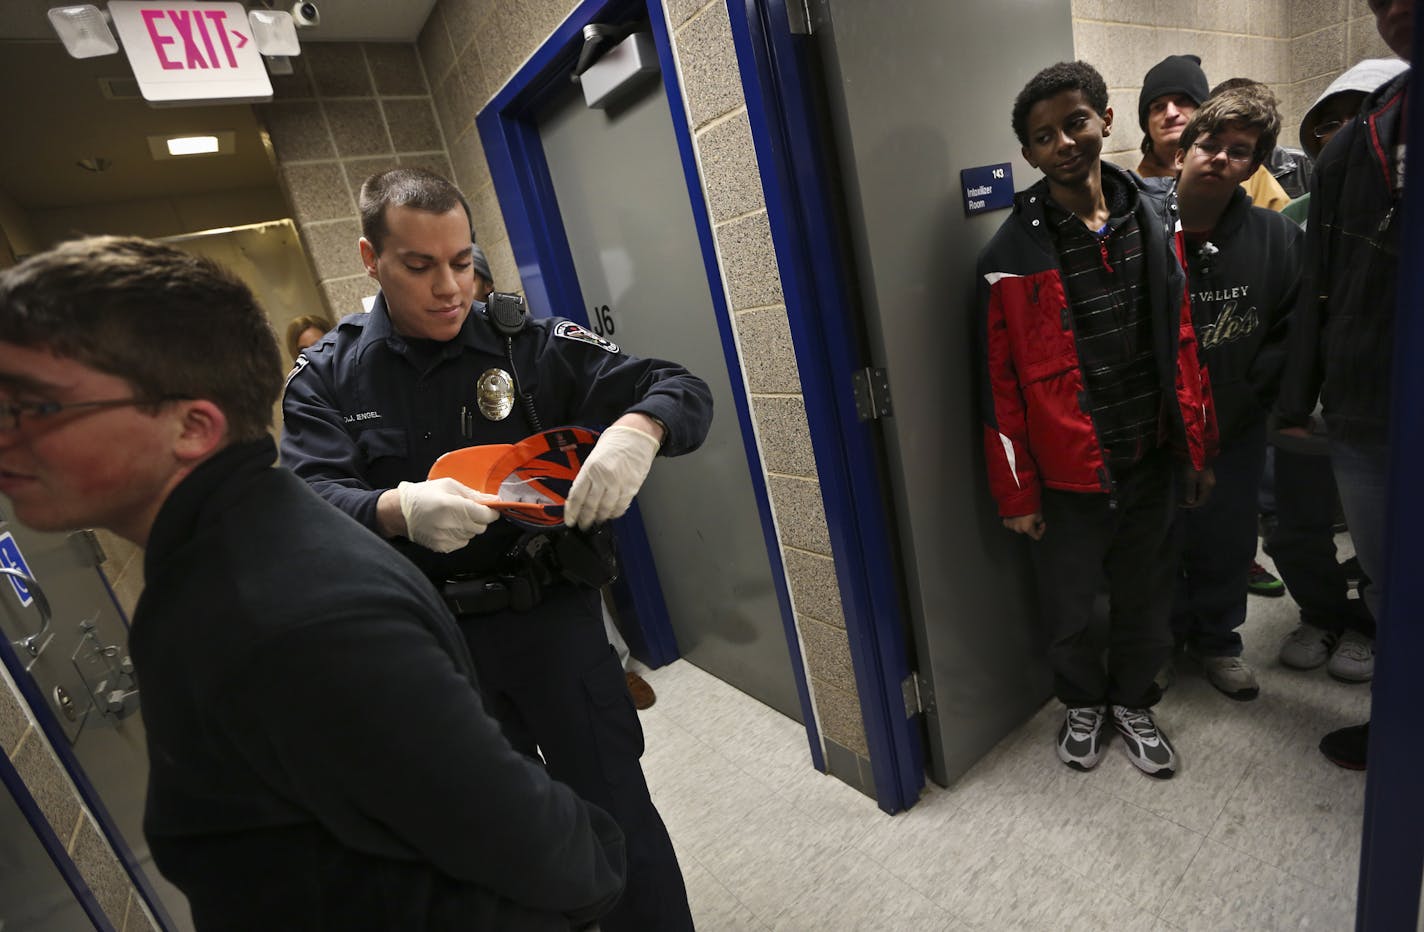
(1216, 543)
(552, 681)
(1303, 544)
(1125, 538)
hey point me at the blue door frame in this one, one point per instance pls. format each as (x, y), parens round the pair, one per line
(1392, 849)
(778, 70)
(526, 196)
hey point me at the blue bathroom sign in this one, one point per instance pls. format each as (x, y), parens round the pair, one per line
(987, 187)
(11, 558)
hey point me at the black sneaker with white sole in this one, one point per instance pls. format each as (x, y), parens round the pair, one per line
(1145, 745)
(1083, 736)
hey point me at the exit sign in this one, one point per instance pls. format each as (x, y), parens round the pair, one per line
(184, 51)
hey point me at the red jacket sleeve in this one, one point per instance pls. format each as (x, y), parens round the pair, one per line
(1013, 475)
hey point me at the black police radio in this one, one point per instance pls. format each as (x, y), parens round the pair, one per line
(507, 316)
(506, 313)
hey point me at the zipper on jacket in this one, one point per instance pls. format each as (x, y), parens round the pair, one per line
(1388, 218)
(1103, 252)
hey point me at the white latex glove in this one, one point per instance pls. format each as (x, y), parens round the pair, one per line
(443, 514)
(613, 474)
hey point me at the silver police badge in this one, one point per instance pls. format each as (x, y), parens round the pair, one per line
(495, 391)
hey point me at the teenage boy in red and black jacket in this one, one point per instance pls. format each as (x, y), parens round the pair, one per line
(1092, 386)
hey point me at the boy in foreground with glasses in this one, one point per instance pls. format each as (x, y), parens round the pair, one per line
(1244, 266)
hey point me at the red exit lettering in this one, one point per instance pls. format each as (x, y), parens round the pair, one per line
(192, 27)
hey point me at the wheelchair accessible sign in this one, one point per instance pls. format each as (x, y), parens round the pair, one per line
(11, 558)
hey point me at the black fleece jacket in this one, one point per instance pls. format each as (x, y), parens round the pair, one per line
(1244, 279)
(320, 757)
(1342, 335)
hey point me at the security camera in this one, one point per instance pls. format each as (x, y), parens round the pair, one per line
(305, 14)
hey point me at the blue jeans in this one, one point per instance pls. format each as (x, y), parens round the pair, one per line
(1361, 471)
(1217, 541)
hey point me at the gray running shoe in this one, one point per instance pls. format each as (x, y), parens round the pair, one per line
(1083, 736)
(1146, 746)
(1232, 676)
(1307, 647)
(1354, 659)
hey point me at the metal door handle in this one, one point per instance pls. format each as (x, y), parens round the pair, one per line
(31, 643)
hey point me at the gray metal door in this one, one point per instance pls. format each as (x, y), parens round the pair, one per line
(76, 655)
(914, 98)
(619, 183)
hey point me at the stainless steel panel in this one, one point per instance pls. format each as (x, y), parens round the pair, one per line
(619, 182)
(918, 91)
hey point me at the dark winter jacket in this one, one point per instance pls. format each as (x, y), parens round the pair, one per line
(320, 757)
(1037, 428)
(1244, 280)
(1342, 334)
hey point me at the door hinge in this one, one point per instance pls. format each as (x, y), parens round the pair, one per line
(872, 393)
(798, 17)
(87, 543)
(919, 695)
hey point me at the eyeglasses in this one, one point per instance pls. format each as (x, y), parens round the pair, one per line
(1241, 155)
(10, 411)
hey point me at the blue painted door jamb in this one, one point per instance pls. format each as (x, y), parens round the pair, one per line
(536, 234)
(1392, 846)
(777, 74)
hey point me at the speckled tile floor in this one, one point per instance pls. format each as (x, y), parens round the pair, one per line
(1256, 832)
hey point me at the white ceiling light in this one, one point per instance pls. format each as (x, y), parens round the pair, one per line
(84, 30)
(191, 144)
(274, 31)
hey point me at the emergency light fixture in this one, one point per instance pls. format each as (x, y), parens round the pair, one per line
(84, 30)
(274, 31)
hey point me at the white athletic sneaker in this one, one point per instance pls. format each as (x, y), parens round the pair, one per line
(1083, 736)
(1307, 647)
(1232, 676)
(1354, 659)
(1146, 746)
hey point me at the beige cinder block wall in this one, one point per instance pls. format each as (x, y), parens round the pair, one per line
(1124, 38)
(1296, 46)
(348, 110)
(470, 49)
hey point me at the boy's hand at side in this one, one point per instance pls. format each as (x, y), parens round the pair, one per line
(1197, 486)
(1032, 525)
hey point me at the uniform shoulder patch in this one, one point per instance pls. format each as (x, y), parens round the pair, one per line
(301, 363)
(572, 331)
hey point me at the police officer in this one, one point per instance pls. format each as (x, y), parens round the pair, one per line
(369, 408)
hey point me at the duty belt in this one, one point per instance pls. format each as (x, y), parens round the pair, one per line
(536, 561)
(486, 595)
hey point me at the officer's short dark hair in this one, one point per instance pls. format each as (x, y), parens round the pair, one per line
(171, 324)
(406, 187)
(1054, 80)
(1252, 106)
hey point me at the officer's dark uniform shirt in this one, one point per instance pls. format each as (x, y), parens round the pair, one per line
(365, 409)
